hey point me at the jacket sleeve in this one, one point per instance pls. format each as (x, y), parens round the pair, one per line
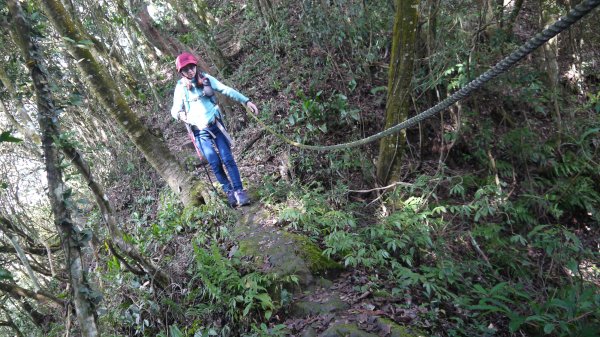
(227, 91)
(178, 97)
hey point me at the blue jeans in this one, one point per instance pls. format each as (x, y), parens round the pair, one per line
(207, 143)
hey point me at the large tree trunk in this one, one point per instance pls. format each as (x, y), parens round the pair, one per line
(58, 191)
(163, 42)
(191, 190)
(391, 148)
(512, 17)
(550, 64)
(100, 50)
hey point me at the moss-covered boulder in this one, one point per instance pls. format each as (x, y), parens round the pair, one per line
(346, 330)
(277, 251)
(392, 329)
(313, 308)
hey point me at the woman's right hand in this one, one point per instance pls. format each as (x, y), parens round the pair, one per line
(182, 116)
(252, 107)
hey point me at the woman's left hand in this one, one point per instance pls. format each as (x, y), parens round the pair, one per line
(252, 107)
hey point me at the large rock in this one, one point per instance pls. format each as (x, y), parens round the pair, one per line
(313, 308)
(346, 330)
(393, 329)
(280, 252)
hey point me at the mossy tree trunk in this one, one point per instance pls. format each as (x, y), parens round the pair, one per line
(100, 50)
(163, 42)
(57, 190)
(548, 14)
(190, 190)
(39, 296)
(391, 148)
(570, 46)
(512, 17)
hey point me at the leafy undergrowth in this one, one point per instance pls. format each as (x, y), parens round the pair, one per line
(482, 267)
(451, 253)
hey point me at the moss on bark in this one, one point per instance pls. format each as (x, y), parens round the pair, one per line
(391, 148)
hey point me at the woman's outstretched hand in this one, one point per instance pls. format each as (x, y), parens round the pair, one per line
(252, 107)
(182, 116)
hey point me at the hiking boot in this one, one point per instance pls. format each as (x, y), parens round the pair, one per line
(231, 199)
(242, 198)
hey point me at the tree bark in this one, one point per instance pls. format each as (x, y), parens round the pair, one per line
(512, 17)
(42, 321)
(190, 190)
(391, 148)
(550, 64)
(40, 296)
(24, 261)
(58, 191)
(164, 43)
(100, 50)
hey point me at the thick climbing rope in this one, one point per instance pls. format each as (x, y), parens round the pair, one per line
(560, 25)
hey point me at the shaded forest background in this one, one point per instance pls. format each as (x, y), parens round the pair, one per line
(485, 222)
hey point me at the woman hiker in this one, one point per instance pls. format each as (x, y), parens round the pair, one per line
(194, 103)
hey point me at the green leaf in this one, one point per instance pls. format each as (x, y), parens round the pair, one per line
(587, 133)
(548, 328)
(5, 274)
(354, 113)
(247, 309)
(498, 287)
(84, 236)
(376, 90)
(76, 99)
(175, 332)
(6, 137)
(486, 307)
(515, 323)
